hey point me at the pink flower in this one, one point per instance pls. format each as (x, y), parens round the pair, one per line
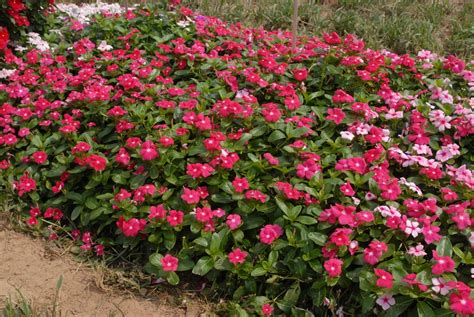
(169, 263)
(233, 221)
(371, 256)
(237, 256)
(199, 170)
(267, 309)
(256, 195)
(418, 250)
(122, 157)
(175, 218)
(190, 196)
(333, 267)
(307, 169)
(148, 151)
(270, 112)
(204, 214)
(25, 185)
(39, 157)
(336, 115)
(386, 301)
(440, 286)
(340, 237)
(271, 159)
(157, 212)
(300, 74)
(131, 227)
(385, 279)
(461, 304)
(443, 264)
(97, 162)
(240, 184)
(270, 233)
(340, 96)
(346, 189)
(431, 234)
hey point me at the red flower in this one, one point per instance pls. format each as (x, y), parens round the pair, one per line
(333, 267)
(175, 218)
(233, 221)
(157, 212)
(461, 304)
(346, 189)
(39, 157)
(169, 263)
(148, 151)
(300, 74)
(270, 233)
(240, 184)
(25, 185)
(270, 112)
(97, 162)
(336, 115)
(122, 157)
(267, 309)
(385, 279)
(190, 196)
(16, 5)
(132, 227)
(4, 37)
(237, 256)
(340, 96)
(443, 264)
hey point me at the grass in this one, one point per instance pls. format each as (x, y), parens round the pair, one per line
(22, 307)
(445, 27)
(403, 26)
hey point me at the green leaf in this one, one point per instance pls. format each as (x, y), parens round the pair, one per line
(293, 294)
(76, 212)
(318, 238)
(36, 141)
(276, 135)
(172, 278)
(185, 264)
(155, 259)
(137, 181)
(281, 204)
(306, 220)
(258, 271)
(424, 310)
(444, 247)
(400, 306)
(203, 266)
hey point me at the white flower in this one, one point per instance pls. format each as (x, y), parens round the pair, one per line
(412, 228)
(5, 73)
(440, 286)
(183, 24)
(386, 301)
(388, 211)
(346, 135)
(36, 40)
(419, 250)
(103, 46)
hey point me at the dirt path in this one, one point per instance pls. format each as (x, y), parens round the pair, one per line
(25, 265)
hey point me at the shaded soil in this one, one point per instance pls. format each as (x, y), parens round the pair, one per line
(26, 264)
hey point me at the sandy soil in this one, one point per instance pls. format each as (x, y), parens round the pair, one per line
(26, 264)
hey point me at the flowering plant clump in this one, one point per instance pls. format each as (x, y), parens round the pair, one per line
(327, 177)
(19, 15)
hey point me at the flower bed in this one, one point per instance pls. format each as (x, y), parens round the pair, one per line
(322, 178)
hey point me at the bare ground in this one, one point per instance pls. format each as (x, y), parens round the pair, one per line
(26, 265)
